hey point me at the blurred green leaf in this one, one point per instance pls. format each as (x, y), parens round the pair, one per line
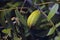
(21, 18)
(9, 4)
(42, 6)
(52, 30)
(27, 34)
(7, 31)
(16, 38)
(52, 11)
(57, 38)
(2, 19)
(43, 20)
(15, 5)
(57, 25)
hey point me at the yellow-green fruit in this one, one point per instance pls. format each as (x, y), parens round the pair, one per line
(32, 19)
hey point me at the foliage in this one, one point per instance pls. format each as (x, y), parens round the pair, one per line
(30, 20)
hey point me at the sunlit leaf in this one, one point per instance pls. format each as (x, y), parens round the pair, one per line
(52, 11)
(32, 19)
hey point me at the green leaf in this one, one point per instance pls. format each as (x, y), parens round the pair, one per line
(52, 11)
(16, 38)
(7, 31)
(42, 6)
(52, 30)
(2, 19)
(27, 34)
(21, 18)
(57, 38)
(15, 5)
(57, 25)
